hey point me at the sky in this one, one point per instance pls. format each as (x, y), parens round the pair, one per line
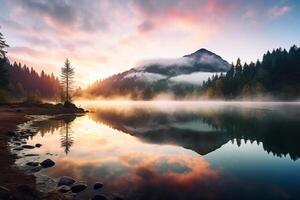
(104, 37)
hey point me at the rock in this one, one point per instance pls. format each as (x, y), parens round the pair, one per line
(26, 192)
(27, 146)
(22, 133)
(16, 139)
(47, 163)
(66, 180)
(63, 189)
(4, 193)
(18, 149)
(33, 164)
(24, 142)
(99, 197)
(98, 185)
(11, 133)
(18, 143)
(78, 187)
(118, 198)
(31, 154)
(36, 169)
(38, 145)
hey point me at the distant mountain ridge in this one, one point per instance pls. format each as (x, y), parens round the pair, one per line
(199, 61)
(162, 75)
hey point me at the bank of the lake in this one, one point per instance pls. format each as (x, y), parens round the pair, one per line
(18, 184)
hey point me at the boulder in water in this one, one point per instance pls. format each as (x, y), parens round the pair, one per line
(33, 164)
(38, 145)
(4, 193)
(63, 189)
(99, 197)
(78, 187)
(27, 146)
(98, 185)
(47, 163)
(66, 180)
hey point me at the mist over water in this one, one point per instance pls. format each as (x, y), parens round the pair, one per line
(178, 150)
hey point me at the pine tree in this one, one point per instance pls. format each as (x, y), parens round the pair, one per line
(3, 63)
(3, 45)
(67, 79)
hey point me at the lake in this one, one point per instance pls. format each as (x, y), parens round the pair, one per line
(176, 150)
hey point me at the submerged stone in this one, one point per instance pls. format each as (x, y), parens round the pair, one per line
(63, 189)
(4, 193)
(78, 187)
(118, 198)
(31, 154)
(27, 146)
(98, 185)
(47, 163)
(18, 149)
(36, 169)
(99, 197)
(38, 145)
(66, 180)
(33, 164)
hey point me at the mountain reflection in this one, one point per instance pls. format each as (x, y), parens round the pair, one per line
(136, 151)
(204, 130)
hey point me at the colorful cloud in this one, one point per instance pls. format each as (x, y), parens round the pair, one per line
(106, 37)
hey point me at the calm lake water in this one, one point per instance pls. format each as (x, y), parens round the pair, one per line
(177, 150)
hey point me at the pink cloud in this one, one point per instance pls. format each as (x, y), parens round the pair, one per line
(157, 14)
(278, 11)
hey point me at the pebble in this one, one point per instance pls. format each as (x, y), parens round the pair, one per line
(4, 193)
(26, 146)
(33, 164)
(18, 148)
(78, 187)
(31, 154)
(47, 163)
(98, 185)
(99, 197)
(38, 145)
(66, 180)
(63, 189)
(36, 169)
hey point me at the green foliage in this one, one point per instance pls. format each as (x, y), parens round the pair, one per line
(67, 79)
(278, 75)
(4, 73)
(3, 45)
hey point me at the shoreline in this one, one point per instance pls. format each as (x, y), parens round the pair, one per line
(15, 182)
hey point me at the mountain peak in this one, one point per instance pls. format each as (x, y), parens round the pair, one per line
(200, 52)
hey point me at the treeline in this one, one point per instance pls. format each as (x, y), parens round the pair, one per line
(277, 75)
(23, 83)
(135, 89)
(19, 83)
(23, 80)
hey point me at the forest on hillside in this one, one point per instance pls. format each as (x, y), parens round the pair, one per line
(19, 83)
(277, 76)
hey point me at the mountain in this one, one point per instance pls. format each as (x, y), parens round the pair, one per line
(179, 76)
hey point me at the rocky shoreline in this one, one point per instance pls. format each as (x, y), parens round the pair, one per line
(14, 182)
(64, 188)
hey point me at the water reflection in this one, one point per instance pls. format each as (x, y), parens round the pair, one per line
(154, 151)
(66, 133)
(205, 129)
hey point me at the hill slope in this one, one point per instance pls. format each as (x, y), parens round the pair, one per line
(179, 76)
